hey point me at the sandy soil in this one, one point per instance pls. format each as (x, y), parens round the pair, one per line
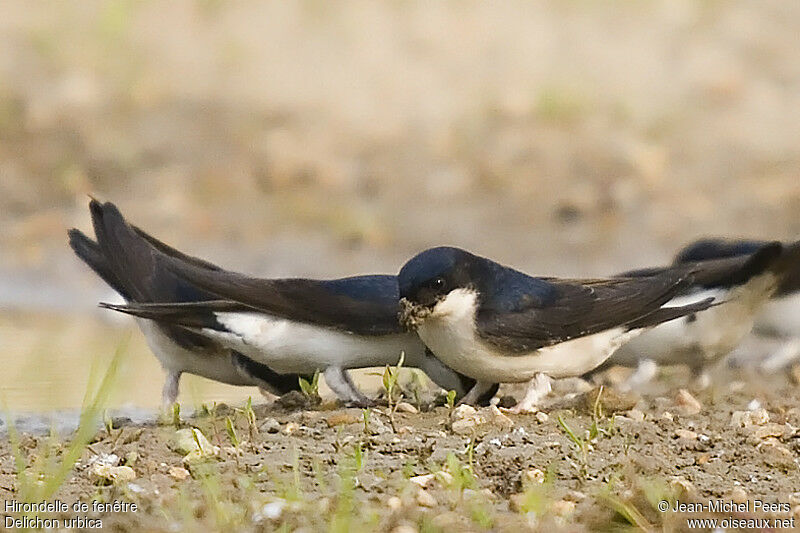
(325, 467)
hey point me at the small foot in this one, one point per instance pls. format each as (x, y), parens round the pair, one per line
(476, 393)
(538, 388)
(268, 395)
(340, 383)
(784, 357)
(169, 394)
(644, 374)
(702, 381)
(362, 404)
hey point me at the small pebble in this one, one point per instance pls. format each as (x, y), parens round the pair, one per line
(445, 478)
(394, 503)
(686, 434)
(759, 416)
(635, 415)
(113, 474)
(506, 402)
(575, 496)
(562, 507)
(496, 417)
(688, 404)
(270, 425)
(516, 502)
(405, 407)
(741, 419)
(534, 475)
(738, 495)
(463, 411)
(682, 486)
(542, 417)
(464, 426)
(179, 473)
(424, 499)
(422, 481)
(765, 431)
(271, 510)
(136, 489)
(192, 441)
(340, 419)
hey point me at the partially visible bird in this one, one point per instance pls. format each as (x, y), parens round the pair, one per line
(780, 316)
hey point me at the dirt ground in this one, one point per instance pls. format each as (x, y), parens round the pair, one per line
(286, 466)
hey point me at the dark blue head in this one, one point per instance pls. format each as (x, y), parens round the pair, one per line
(706, 249)
(431, 275)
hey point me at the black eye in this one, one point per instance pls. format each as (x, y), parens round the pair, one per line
(439, 283)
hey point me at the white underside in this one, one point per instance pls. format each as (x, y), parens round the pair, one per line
(449, 331)
(174, 358)
(713, 333)
(781, 316)
(290, 347)
(294, 347)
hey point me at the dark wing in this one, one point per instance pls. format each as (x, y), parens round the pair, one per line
(575, 308)
(132, 262)
(726, 271)
(137, 265)
(145, 270)
(196, 315)
(788, 266)
(365, 305)
(716, 248)
(172, 252)
(90, 253)
(124, 258)
(791, 280)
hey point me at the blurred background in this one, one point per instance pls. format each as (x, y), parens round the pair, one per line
(328, 139)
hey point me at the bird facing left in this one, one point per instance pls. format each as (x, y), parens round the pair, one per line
(496, 324)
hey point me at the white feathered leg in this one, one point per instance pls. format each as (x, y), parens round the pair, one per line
(785, 356)
(538, 388)
(644, 374)
(475, 393)
(340, 383)
(169, 394)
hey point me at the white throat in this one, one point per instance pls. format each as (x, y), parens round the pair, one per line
(458, 305)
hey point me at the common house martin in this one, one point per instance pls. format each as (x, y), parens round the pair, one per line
(780, 316)
(133, 264)
(740, 285)
(290, 326)
(496, 324)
